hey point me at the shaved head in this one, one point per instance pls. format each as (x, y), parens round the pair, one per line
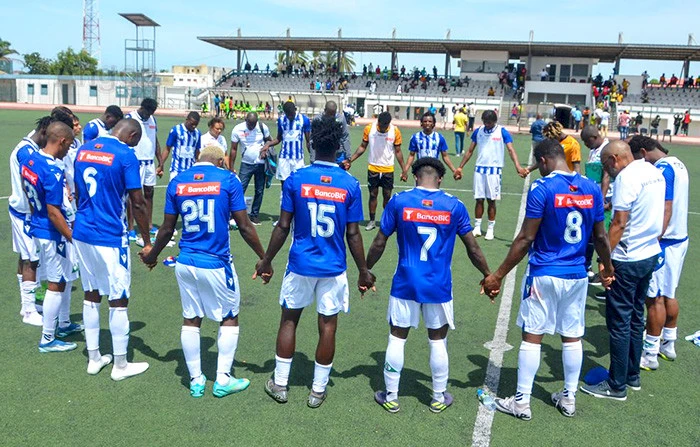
(128, 131)
(59, 137)
(331, 108)
(615, 157)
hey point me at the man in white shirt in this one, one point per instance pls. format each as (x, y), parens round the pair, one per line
(252, 136)
(634, 232)
(662, 305)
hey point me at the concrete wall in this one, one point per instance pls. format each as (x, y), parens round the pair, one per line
(540, 62)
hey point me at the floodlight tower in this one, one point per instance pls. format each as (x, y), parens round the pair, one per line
(91, 29)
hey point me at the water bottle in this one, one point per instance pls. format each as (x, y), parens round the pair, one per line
(486, 399)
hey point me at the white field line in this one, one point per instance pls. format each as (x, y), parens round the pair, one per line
(481, 436)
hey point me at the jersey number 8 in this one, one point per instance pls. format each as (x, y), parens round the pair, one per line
(572, 232)
(32, 196)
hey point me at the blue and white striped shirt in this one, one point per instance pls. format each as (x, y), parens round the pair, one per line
(292, 133)
(93, 129)
(427, 145)
(184, 144)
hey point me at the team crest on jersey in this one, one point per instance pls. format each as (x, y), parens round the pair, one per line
(102, 158)
(198, 189)
(199, 176)
(427, 216)
(573, 201)
(99, 146)
(573, 188)
(326, 179)
(427, 203)
(323, 193)
(31, 162)
(29, 175)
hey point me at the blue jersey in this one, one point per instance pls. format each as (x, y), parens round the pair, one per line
(19, 205)
(205, 196)
(105, 170)
(427, 145)
(44, 184)
(426, 223)
(95, 128)
(292, 133)
(324, 199)
(184, 144)
(569, 205)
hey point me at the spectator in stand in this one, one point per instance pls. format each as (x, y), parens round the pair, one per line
(662, 80)
(689, 83)
(625, 86)
(623, 121)
(435, 72)
(697, 81)
(645, 79)
(399, 89)
(544, 75)
(377, 72)
(673, 81)
(491, 92)
(256, 68)
(677, 120)
(686, 123)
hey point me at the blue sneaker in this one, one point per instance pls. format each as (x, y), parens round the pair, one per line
(57, 345)
(170, 261)
(197, 386)
(233, 386)
(132, 235)
(154, 230)
(71, 329)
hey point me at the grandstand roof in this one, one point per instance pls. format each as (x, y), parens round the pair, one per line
(605, 52)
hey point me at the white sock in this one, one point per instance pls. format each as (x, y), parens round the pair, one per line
(91, 320)
(119, 327)
(669, 333)
(282, 368)
(321, 374)
(64, 311)
(28, 296)
(189, 337)
(651, 345)
(528, 364)
(226, 344)
(19, 282)
(477, 223)
(393, 364)
(52, 302)
(572, 359)
(440, 367)
(492, 224)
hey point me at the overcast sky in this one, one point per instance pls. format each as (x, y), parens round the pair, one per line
(50, 26)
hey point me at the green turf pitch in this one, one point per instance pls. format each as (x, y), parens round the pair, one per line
(50, 398)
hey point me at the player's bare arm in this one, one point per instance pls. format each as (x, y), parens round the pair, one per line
(248, 233)
(409, 163)
(602, 247)
(366, 279)
(376, 250)
(138, 206)
(514, 156)
(668, 213)
(465, 159)
(517, 252)
(307, 140)
(59, 222)
(447, 160)
(159, 159)
(478, 260)
(269, 144)
(360, 150)
(164, 157)
(263, 268)
(604, 186)
(399, 158)
(149, 256)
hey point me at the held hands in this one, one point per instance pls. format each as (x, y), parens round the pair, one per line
(491, 286)
(149, 260)
(159, 171)
(346, 164)
(606, 276)
(523, 172)
(264, 270)
(404, 176)
(457, 174)
(366, 282)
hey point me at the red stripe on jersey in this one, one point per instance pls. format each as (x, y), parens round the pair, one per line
(323, 193)
(573, 201)
(29, 175)
(199, 189)
(427, 216)
(103, 158)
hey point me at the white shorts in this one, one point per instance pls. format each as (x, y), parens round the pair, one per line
(22, 242)
(406, 313)
(105, 269)
(552, 305)
(56, 260)
(285, 166)
(665, 279)
(213, 293)
(331, 294)
(147, 170)
(487, 186)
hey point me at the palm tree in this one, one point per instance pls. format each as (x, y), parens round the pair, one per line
(295, 57)
(347, 63)
(5, 49)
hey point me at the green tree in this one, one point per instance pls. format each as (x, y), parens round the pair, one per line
(295, 57)
(6, 49)
(36, 64)
(68, 62)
